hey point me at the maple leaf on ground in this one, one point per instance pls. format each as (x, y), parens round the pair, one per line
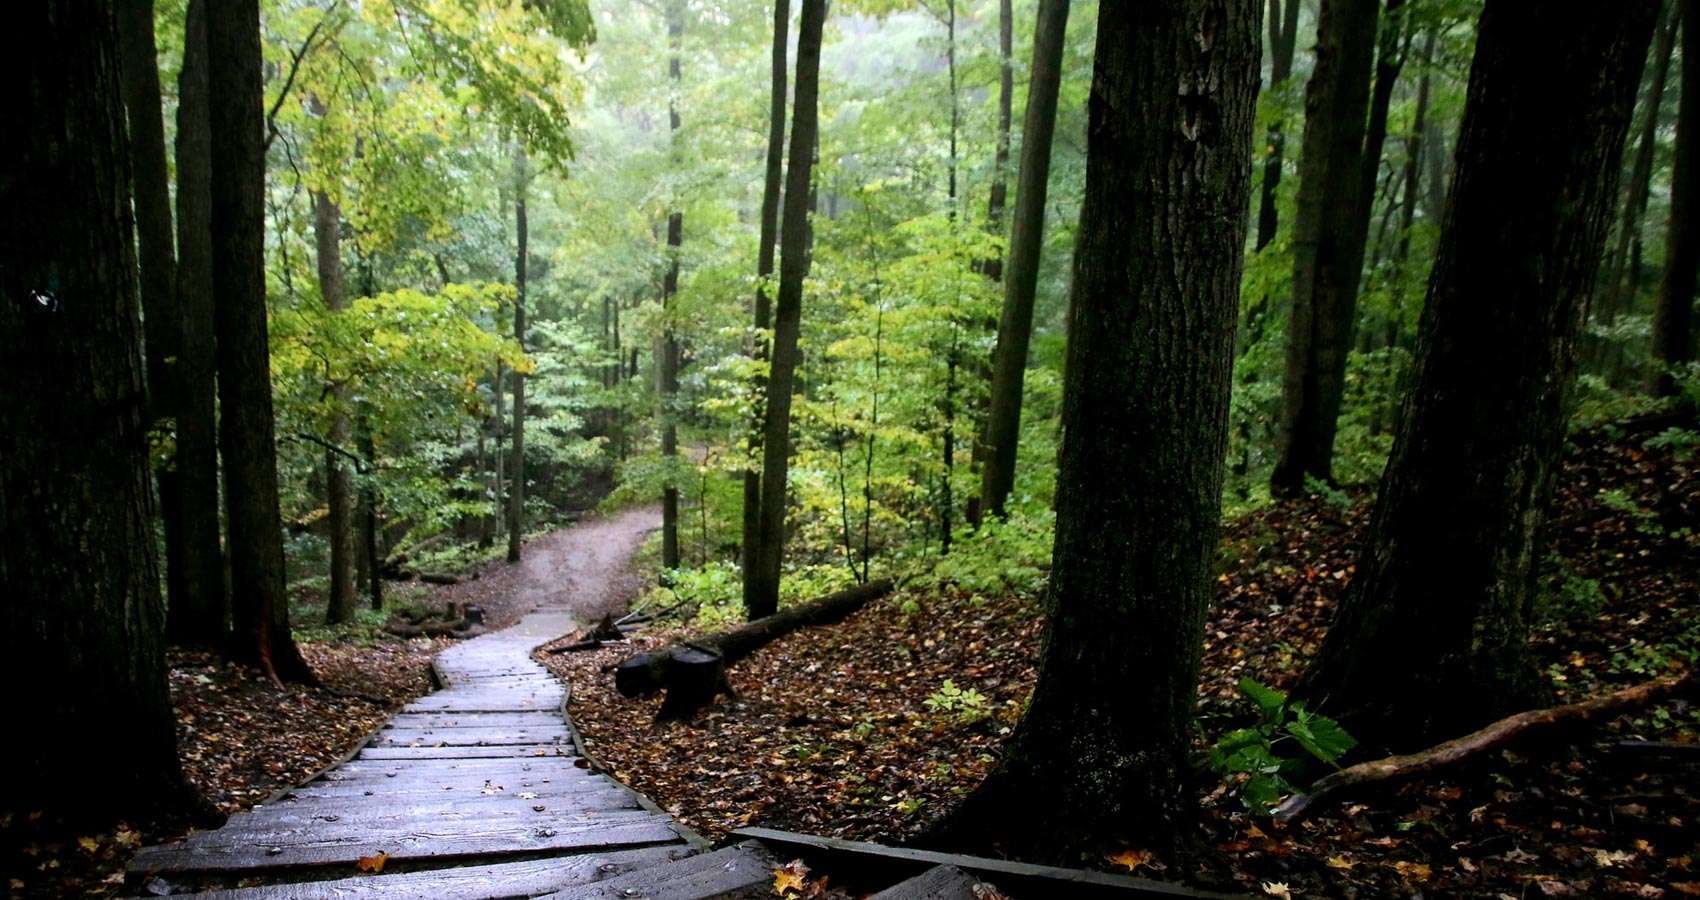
(1132, 858)
(1278, 889)
(789, 877)
(373, 864)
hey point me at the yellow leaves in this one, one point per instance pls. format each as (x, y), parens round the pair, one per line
(1413, 871)
(1341, 863)
(372, 864)
(88, 844)
(790, 877)
(1131, 858)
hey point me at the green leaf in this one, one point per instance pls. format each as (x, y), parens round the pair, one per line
(1321, 736)
(1268, 700)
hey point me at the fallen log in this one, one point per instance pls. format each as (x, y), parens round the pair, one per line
(695, 672)
(1521, 725)
(439, 578)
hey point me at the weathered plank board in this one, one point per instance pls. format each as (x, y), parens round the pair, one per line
(523, 823)
(705, 877)
(362, 809)
(251, 855)
(937, 883)
(416, 792)
(501, 881)
(377, 768)
(471, 751)
(474, 720)
(472, 736)
(281, 825)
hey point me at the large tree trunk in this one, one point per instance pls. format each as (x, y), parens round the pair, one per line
(516, 480)
(764, 269)
(1283, 43)
(1328, 243)
(339, 478)
(1145, 413)
(201, 615)
(761, 592)
(162, 335)
(667, 373)
(246, 431)
(1432, 637)
(1015, 324)
(1673, 319)
(81, 633)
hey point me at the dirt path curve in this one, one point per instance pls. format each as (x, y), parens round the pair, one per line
(585, 570)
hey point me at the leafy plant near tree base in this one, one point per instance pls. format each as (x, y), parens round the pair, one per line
(1257, 752)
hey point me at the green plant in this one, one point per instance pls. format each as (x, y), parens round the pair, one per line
(1255, 754)
(1316, 487)
(1681, 442)
(1564, 596)
(964, 707)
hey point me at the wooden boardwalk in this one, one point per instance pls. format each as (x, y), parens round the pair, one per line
(479, 792)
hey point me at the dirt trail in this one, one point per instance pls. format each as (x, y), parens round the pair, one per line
(584, 570)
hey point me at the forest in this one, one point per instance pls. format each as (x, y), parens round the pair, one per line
(1244, 444)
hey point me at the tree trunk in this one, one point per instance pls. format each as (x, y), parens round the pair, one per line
(201, 614)
(339, 479)
(246, 432)
(1283, 42)
(81, 635)
(162, 322)
(764, 270)
(1328, 243)
(1609, 295)
(1145, 413)
(1432, 637)
(667, 375)
(516, 480)
(1673, 319)
(761, 593)
(1015, 325)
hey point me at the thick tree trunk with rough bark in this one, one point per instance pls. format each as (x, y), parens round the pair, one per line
(201, 614)
(763, 311)
(1283, 21)
(1015, 323)
(246, 430)
(761, 592)
(81, 631)
(1432, 637)
(1328, 243)
(1101, 752)
(667, 374)
(516, 481)
(339, 477)
(1673, 318)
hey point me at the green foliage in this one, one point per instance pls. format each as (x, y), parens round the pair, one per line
(1255, 755)
(1564, 596)
(1011, 556)
(957, 705)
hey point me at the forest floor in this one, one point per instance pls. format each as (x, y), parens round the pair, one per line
(832, 731)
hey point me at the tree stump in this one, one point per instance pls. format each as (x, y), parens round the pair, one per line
(694, 677)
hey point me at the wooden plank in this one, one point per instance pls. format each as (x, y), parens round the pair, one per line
(473, 751)
(405, 829)
(378, 768)
(873, 866)
(357, 808)
(647, 830)
(354, 817)
(474, 720)
(414, 792)
(733, 870)
(501, 881)
(556, 734)
(937, 883)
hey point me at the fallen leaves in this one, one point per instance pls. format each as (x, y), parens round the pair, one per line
(1131, 859)
(372, 864)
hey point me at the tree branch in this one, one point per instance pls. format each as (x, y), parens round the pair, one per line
(295, 69)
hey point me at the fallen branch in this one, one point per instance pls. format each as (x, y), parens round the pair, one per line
(1411, 765)
(693, 673)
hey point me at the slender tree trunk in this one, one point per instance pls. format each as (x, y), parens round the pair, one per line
(763, 312)
(1673, 318)
(1389, 60)
(201, 614)
(246, 433)
(81, 634)
(339, 479)
(1432, 639)
(516, 481)
(668, 370)
(761, 594)
(1329, 233)
(1283, 43)
(1145, 411)
(1015, 326)
(499, 468)
(1609, 296)
(372, 551)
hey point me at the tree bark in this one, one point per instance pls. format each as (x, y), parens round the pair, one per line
(667, 374)
(1015, 324)
(1673, 318)
(1145, 412)
(1328, 243)
(81, 633)
(1431, 639)
(761, 593)
(763, 312)
(1283, 44)
(339, 478)
(246, 430)
(516, 480)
